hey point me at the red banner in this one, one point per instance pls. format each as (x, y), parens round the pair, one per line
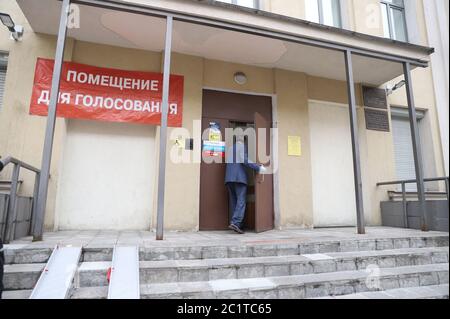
(88, 92)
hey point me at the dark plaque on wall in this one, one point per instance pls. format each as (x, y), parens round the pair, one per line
(374, 97)
(377, 120)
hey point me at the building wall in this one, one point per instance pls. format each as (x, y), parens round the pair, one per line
(295, 184)
(106, 176)
(376, 148)
(425, 98)
(108, 169)
(437, 20)
(333, 187)
(293, 92)
(183, 180)
(21, 135)
(292, 8)
(365, 17)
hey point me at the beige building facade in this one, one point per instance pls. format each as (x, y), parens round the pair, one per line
(104, 175)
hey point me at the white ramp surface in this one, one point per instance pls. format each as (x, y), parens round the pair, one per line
(57, 276)
(124, 280)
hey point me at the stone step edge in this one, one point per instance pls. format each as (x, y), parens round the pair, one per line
(297, 287)
(201, 270)
(17, 294)
(23, 268)
(267, 267)
(280, 260)
(265, 250)
(423, 292)
(218, 262)
(211, 251)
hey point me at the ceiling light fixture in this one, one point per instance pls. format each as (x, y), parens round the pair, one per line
(240, 78)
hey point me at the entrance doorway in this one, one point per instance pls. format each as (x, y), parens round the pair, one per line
(235, 110)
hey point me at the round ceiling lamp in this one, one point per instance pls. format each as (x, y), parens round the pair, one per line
(240, 78)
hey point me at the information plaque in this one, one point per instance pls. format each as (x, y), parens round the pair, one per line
(377, 120)
(374, 97)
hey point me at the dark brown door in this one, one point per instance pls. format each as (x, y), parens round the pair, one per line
(213, 192)
(227, 109)
(264, 211)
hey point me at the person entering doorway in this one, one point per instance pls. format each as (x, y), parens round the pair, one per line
(236, 181)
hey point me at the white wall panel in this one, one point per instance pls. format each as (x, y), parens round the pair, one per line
(107, 176)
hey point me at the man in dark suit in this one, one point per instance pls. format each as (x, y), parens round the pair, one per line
(236, 180)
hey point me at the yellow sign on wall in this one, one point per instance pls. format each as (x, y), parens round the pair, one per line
(180, 143)
(294, 146)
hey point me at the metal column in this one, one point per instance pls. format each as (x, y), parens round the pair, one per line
(35, 196)
(163, 131)
(51, 119)
(355, 142)
(11, 216)
(416, 145)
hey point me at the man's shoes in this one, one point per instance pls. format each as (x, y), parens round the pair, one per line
(236, 229)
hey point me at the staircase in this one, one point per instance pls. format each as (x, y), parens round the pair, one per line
(400, 267)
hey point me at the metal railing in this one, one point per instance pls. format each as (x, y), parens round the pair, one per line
(403, 184)
(11, 214)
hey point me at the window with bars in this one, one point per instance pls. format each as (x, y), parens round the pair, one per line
(394, 20)
(244, 3)
(326, 12)
(3, 65)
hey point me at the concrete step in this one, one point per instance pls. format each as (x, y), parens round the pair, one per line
(21, 276)
(16, 254)
(287, 249)
(21, 254)
(289, 287)
(93, 274)
(425, 292)
(89, 293)
(16, 294)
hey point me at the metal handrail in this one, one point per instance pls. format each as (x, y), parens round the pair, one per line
(9, 159)
(436, 193)
(11, 215)
(411, 181)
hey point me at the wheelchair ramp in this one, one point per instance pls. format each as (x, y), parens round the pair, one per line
(124, 280)
(56, 278)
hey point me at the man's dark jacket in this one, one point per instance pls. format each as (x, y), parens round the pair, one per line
(237, 160)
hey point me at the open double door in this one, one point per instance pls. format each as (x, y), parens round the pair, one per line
(232, 110)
